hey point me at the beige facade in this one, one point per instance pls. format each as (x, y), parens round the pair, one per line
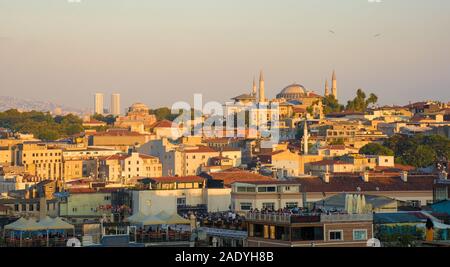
(121, 168)
(6, 156)
(272, 196)
(40, 160)
(155, 201)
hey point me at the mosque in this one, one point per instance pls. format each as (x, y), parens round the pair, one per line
(293, 99)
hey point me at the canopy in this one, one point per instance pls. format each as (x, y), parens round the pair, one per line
(163, 215)
(24, 225)
(137, 218)
(55, 224)
(176, 219)
(152, 220)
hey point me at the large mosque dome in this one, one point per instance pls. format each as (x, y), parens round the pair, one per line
(293, 91)
(139, 107)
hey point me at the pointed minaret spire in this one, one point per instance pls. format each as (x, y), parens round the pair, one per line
(262, 97)
(305, 138)
(327, 89)
(334, 85)
(254, 87)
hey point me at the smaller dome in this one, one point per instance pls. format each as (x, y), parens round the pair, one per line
(139, 107)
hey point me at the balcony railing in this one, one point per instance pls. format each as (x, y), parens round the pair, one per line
(346, 217)
(307, 218)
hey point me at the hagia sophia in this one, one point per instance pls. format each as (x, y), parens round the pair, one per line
(294, 98)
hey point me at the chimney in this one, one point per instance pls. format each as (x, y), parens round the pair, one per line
(404, 176)
(326, 177)
(365, 176)
(42, 208)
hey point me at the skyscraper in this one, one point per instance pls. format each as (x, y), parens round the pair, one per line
(115, 104)
(99, 103)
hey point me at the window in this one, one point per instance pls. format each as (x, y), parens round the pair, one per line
(246, 206)
(267, 189)
(269, 206)
(360, 234)
(336, 235)
(181, 201)
(107, 198)
(291, 205)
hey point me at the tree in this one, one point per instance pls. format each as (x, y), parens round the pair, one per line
(164, 113)
(109, 119)
(330, 105)
(339, 141)
(376, 149)
(422, 156)
(41, 124)
(360, 103)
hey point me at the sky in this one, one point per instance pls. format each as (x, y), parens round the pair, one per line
(162, 51)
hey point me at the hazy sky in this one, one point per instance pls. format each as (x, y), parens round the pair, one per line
(162, 51)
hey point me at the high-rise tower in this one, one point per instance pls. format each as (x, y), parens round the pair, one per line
(99, 103)
(262, 97)
(327, 89)
(115, 104)
(334, 85)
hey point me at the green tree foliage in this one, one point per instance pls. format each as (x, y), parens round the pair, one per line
(330, 105)
(339, 141)
(163, 113)
(361, 102)
(419, 150)
(376, 149)
(41, 124)
(109, 119)
(421, 156)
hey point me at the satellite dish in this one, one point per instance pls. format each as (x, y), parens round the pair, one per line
(73, 242)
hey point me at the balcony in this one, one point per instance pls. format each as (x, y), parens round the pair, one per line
(306, 218)
(346, 217)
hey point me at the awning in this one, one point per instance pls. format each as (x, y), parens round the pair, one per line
(137, 218)
(55, 224)
(24, 225)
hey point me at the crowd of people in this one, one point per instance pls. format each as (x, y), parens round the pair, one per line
(226, 219)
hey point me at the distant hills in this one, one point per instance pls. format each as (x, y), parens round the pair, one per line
(7, 102)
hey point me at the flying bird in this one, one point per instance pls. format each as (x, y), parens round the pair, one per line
(332, 32)
(377, 35)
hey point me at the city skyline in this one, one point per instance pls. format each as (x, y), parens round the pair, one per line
(150, 50)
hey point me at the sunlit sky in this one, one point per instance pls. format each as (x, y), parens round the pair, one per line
(162, 51)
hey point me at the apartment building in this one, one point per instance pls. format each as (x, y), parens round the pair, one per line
(41, 160)
(123, 167)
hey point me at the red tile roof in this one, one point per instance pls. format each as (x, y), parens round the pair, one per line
(201, 149)
(162, 124)
(232, 175)
(351, 183)
(329, 162)
(180, 179)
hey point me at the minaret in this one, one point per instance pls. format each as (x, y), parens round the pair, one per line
(254, 88)
(327, 89)
(305, 138)
(262, 97)
(334, 85)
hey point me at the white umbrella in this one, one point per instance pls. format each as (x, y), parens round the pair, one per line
(350, 204)
(363, 203)
(355, 203)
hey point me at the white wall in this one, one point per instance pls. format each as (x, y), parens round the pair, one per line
(155, 201)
